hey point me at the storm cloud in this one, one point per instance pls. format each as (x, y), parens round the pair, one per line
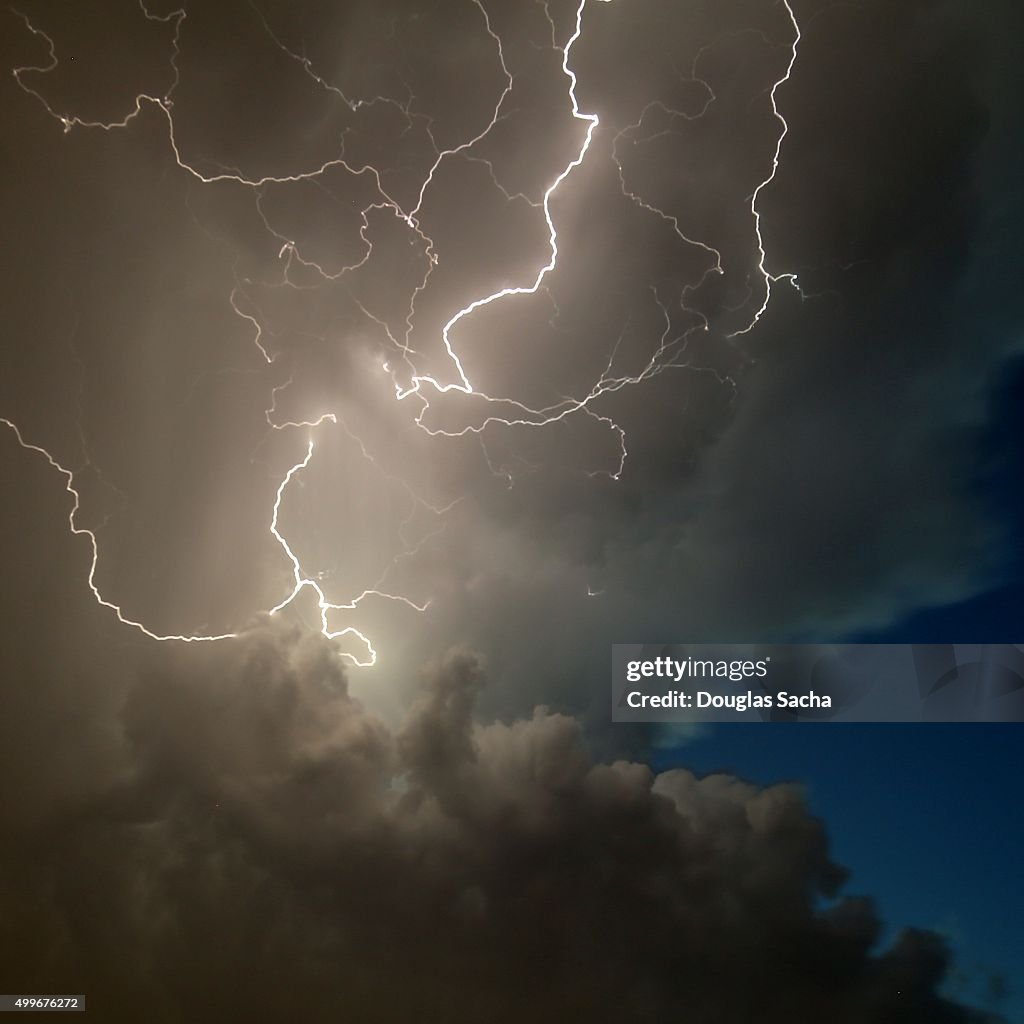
(269, 850)
(815, 476)
(250, 830)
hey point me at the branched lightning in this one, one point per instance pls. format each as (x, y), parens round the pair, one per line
(591, 121)
(303, 582)
(670, 350)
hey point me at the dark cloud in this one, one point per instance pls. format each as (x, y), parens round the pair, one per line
(271, 851)
(835, 488)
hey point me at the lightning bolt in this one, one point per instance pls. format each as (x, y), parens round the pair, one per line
(81, 531)
(669, 349)
(768, 278)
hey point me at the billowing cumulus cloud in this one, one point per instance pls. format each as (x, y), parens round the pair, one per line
(271, 851)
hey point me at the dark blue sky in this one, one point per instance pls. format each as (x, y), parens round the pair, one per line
(996, 615)
(925, 816)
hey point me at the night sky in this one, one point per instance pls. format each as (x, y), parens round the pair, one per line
(369, 368)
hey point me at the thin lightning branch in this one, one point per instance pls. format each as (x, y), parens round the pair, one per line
(80, 531)
(463, 146)
(770, 279)
(307, 67)
(256, 324)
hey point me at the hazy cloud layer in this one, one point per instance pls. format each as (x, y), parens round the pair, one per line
(268, 850)
(813, 477)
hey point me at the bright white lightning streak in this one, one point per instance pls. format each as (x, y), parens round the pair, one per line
(592, 122)
(607, 383)
(770, 279)
(303, 582)
(80, 531)
(552, 414)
